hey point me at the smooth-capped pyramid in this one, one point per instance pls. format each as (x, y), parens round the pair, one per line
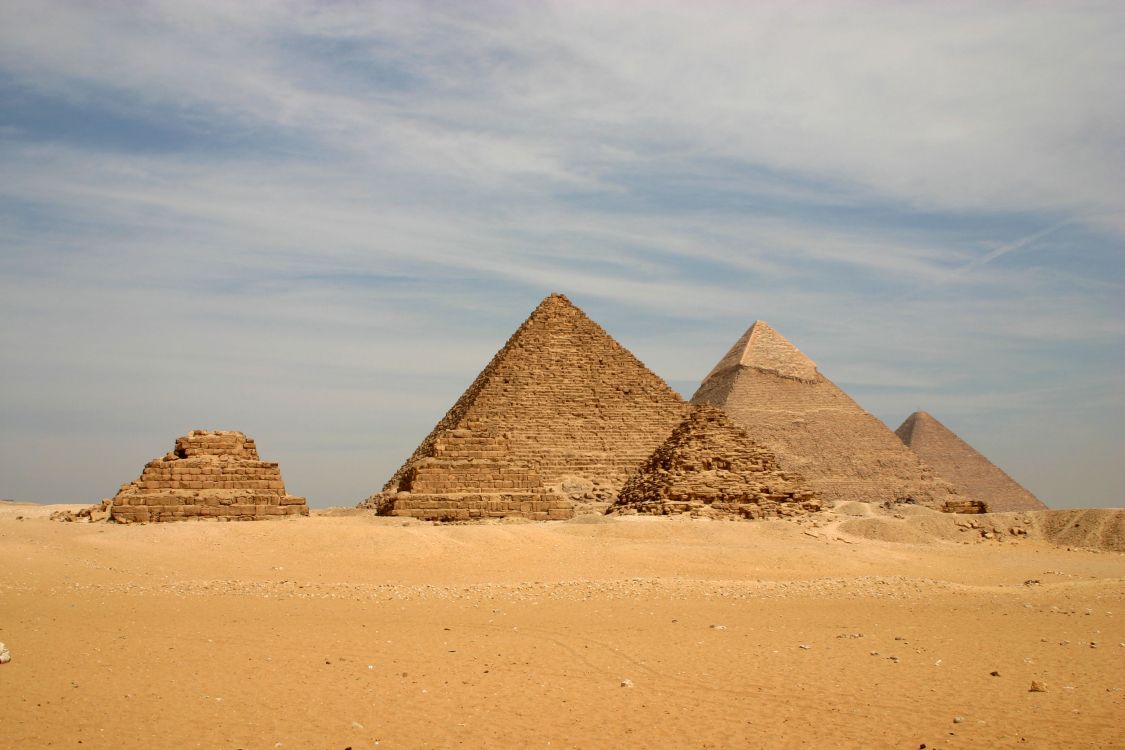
(959, 463)
(775, 393)
(709, 466)
(556, 421)
(765, 349)
(208, 475)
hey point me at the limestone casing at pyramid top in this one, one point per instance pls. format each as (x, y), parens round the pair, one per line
(765, 349)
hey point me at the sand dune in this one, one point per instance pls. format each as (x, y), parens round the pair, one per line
(858, 628)
(1087, 528)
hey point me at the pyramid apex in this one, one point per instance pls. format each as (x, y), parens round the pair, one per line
(556, 301)
(763, 348)
(905, 430)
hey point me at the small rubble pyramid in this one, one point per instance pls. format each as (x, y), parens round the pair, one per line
(959, 463)
(553, 425)
(710, 467)
(775, 393)
(207, 475)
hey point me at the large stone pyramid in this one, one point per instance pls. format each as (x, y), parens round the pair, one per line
(958, 462)
(555, 422)
(775, 393)
(709, 466)
(207, 475)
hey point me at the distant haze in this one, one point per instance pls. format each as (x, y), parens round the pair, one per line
(316, 222)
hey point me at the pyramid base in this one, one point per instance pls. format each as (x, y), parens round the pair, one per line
(140, 506)
(973, 507)
(164, 513)
(473, 507)
(749, 511)
(885, 490)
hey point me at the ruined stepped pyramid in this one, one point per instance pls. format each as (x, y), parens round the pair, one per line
(553, 425)
(709, 466)
(775, 393)
(958, 462)
(207, 475)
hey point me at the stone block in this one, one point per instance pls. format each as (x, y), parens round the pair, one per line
(208, 475)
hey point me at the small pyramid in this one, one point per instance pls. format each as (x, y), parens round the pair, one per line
(959, 463)
(555, 422)
(777, 395)
(208, 475)
(710, 466)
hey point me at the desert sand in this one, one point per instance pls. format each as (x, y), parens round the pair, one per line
(852, 628)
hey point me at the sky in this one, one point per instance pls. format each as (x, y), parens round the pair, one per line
(315, 222)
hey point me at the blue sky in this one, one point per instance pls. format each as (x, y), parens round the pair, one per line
(316, 222)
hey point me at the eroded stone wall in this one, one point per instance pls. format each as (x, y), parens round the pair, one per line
(207, 475)
(710, 467)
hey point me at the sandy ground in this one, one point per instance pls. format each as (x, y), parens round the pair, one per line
(341, 631)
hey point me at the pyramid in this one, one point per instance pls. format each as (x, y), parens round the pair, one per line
(207, 475)
(553, 425)
(710, 466)
(775, 393)
(959, 463)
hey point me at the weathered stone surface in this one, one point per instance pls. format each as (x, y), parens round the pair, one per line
(775, 393)
(208, 475)
(709, 466)
(92, 514)
(959, 463)
(552, 426)
(972, 507)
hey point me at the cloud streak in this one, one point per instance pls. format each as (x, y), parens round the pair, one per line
(345, 209)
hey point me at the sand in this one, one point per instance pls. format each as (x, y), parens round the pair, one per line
(859, 629)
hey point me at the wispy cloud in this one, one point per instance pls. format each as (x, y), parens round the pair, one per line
(319, 220)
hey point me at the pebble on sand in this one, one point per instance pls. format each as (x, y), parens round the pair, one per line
(1037, 687)
(5, 654)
